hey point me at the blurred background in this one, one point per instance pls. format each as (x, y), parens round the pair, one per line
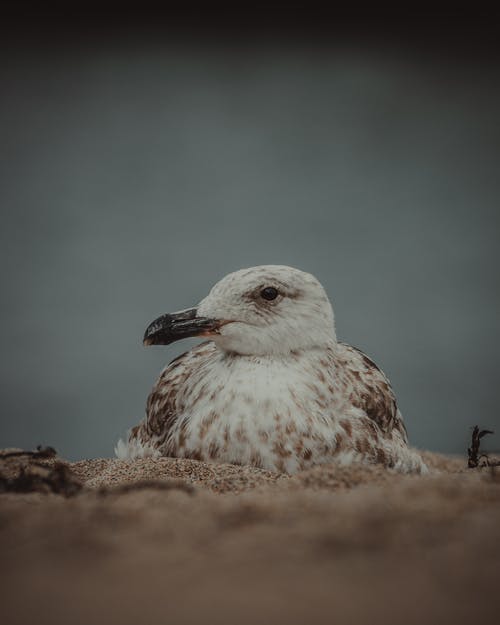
(143, 159)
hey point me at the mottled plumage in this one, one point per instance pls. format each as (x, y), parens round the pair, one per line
(273, 388)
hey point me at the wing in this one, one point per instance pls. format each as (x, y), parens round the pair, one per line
(165, 402)
(371, 391)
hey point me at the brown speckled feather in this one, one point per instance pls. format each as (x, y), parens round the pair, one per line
(372, 391)
(164, 403)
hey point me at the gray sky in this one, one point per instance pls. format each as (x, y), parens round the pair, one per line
(135, 176)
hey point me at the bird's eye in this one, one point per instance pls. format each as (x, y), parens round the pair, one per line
(269, 293)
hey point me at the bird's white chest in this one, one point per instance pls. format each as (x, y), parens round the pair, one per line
(272, 414)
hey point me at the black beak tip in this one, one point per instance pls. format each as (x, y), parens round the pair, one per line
(149, 335)
(158, 331)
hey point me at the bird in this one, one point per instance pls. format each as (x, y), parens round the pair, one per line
(270, 385)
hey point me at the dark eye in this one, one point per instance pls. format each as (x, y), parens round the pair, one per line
(269, 293)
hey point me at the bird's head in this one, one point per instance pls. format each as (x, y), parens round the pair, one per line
(270, 309)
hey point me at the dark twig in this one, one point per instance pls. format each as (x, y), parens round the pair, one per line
(40, 453)
(473, 451)
(38, 477)
(56, 479)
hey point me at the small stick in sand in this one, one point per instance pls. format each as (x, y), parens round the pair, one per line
(57, 479)
(473, 450)
(41, 452)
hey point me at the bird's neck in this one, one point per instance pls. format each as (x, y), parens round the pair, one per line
(278, 357)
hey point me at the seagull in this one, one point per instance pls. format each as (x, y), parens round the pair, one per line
(271, 386)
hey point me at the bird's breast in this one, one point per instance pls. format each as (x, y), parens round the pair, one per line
(272, 415)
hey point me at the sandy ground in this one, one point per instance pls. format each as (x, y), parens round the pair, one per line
(179, 541)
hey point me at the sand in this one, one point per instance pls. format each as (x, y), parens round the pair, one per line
(180, 541)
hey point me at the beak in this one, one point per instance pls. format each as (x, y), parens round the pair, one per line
(180, 325)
